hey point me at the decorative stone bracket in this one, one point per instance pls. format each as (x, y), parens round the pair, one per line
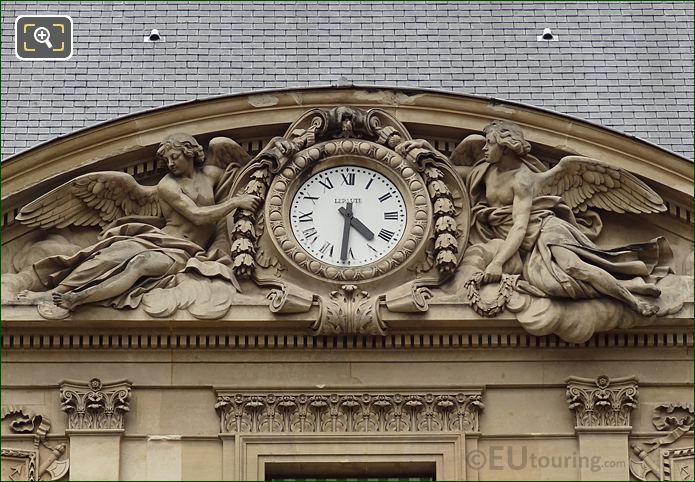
(602, 402)
(321, 412)
(94, 405)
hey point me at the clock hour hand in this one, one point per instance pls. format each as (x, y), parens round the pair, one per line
(358, 225)
(347, 213)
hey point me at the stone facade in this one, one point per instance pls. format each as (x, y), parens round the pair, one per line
(259, 359)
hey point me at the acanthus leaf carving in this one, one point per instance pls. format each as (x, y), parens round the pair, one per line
(310, 412)
(94, 405)
(602, 402)
(349, 309)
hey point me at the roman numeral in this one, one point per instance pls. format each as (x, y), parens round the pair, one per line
(303, 218)
(369, 183)
(352, 255)
(385, 197)
(327, 183)
(327, 247)
(313, 199)
(391, 215)
(372, 248)
(349, 178)
(386, 235)
(309, 233)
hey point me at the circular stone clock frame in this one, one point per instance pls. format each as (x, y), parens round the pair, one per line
(359, 153)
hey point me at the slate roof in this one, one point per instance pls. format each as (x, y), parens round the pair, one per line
(625, 65)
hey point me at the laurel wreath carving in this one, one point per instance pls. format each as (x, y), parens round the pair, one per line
(499, 303)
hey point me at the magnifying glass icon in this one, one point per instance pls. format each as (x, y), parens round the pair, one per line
(43, 36)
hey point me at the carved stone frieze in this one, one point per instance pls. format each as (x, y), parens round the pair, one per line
(311, 412)
(489, 227)
(657, 458)
(602, 402)
(94, 405)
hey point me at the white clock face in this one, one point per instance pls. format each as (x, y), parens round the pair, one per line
(348, 216)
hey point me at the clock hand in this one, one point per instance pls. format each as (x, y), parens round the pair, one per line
(347, 213)
(362, 229)
(358, 225)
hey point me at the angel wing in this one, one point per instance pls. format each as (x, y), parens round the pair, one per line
(91, 200)
(223, 151)
(469, 151)
(583, 182)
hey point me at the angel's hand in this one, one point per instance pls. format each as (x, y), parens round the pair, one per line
(285, 147)
(248, 202)
(493, 272)
(404, 148)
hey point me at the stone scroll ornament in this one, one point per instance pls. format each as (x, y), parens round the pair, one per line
(533, 232)
(161, 247)
(661, 458)
(350, 142)
(45, 461)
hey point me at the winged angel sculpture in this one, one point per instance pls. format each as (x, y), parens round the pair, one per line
(150, 233)
(539, 225)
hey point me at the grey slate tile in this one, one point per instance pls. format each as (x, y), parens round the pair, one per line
(611, 65)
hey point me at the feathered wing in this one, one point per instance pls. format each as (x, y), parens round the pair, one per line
(91, 200)
(583, 182)
(223, 151)
(469, 151)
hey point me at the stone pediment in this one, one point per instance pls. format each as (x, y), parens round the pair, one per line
(299, 240)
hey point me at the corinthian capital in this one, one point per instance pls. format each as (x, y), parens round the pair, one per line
(94, 405)
(602, 402)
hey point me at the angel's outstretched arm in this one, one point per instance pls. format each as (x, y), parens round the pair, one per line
(521, 213)
(173, 195)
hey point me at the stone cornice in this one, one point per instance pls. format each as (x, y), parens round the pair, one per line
(94, 406)
(135, 136)
(348, 411)
(602, 403)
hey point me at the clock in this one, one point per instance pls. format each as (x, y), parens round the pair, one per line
(348, 210)
(348, 216)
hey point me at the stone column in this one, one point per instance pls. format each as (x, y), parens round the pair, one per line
(96, 424)
(602, 408)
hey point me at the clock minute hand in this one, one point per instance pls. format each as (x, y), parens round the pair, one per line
(347, 213)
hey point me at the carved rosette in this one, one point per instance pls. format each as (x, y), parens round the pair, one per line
(95, 405)
(280, 195)
(602, 402)
(313, 412)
